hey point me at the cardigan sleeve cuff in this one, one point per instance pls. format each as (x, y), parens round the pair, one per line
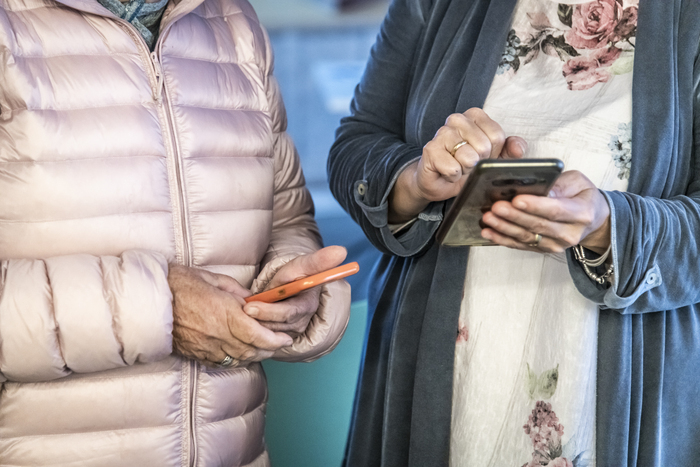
(408, 241)
(606, 295)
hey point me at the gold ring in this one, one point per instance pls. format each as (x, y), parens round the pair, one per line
(457, 146)
(536, 243)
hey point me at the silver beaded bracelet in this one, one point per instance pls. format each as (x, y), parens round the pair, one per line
(588, 263)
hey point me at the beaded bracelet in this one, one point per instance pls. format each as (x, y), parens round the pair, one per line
(588, 263)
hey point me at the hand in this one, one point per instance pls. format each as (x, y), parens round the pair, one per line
(209, 322)
(292, 315)
(441, 171)
(574, 213)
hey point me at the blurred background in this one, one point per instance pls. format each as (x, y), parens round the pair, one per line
(321, 47)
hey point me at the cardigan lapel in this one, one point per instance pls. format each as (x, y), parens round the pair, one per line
(481, 68)
(656, 115)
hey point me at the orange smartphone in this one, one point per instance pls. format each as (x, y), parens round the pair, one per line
(292, 288)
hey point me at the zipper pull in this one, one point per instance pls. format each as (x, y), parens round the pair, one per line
(158, 91)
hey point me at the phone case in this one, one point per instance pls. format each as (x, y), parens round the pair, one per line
(292, 288)
(491, 181)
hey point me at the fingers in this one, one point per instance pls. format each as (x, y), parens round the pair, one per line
(249, 331)
(307, 265)
(563, 224)
(292, 314)
(511, 235)
(231, 285)
(562, 221)
(243, 352)
(207, 318)
(450, 158)
(480, 132)
(212, 351)
(530, 209)
(240, 352)
(499, 238)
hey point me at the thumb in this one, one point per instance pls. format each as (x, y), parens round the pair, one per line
(570, 184)
(307, 265)
(514, 148)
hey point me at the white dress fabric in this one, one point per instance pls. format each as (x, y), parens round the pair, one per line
(525, 362)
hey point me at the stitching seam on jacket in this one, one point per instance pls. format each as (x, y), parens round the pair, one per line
(69, 109)
(228, 109)
(65, 382)
(140, 213)
(248, 414)
(208, 60)
(85, 159)
(232, 210)
(120, 430)
(75, 54)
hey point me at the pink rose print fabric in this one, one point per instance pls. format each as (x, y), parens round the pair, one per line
(594, 41)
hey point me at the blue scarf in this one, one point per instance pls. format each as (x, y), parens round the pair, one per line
(145, 17)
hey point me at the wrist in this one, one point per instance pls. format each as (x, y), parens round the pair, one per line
(405, 200)
(599, 239)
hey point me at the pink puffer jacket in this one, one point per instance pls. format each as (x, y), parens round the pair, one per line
(115, 161)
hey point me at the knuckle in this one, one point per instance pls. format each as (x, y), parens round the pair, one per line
(441, 132)
(587, 217)
(539, 226)
(498, 138)
(482, 146)
(525, 237)
(570, 239)
(473, 113)
(430, 147)
(454, 120)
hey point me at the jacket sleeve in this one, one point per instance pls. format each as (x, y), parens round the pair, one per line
(655, 244)
(370, 150)
(294, 233)
(82, 314)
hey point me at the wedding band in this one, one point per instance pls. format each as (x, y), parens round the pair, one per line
(457, 146)
(536, 243)
(227, 361)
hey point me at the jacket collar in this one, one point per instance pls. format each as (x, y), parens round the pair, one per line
(174, 11)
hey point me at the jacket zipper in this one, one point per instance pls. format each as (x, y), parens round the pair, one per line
(160, 96)
(193, 406)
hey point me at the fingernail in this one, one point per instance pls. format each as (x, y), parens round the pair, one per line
(519, 204)
(290, 341)
(252, 312)
(522, 146)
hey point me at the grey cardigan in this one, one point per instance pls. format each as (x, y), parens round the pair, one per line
(436, 57)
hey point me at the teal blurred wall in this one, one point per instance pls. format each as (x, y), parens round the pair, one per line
(309, 409)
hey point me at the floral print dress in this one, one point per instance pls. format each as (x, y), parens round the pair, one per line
(525, 361)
